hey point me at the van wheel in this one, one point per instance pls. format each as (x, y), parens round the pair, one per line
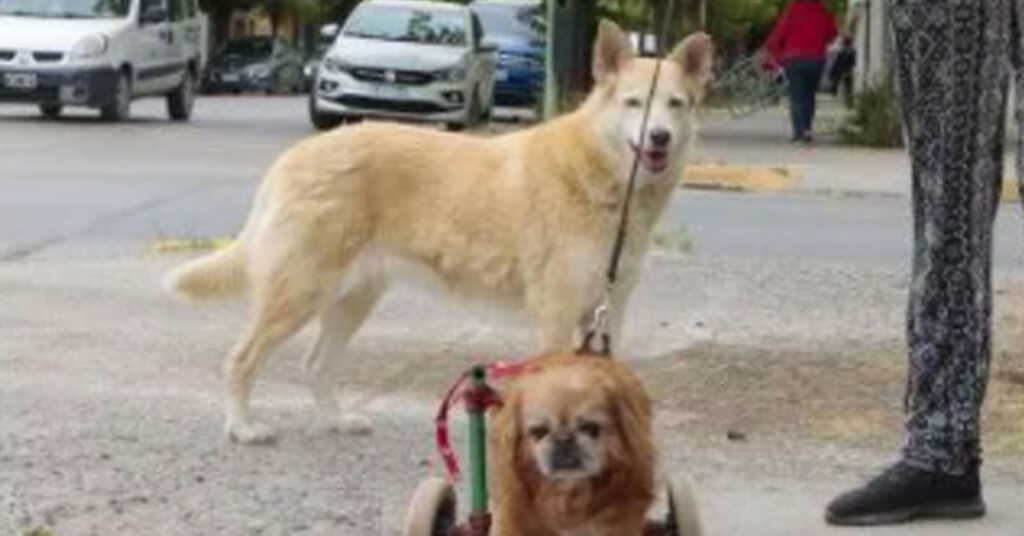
(120, 106)
(50, 111)
(181, 100)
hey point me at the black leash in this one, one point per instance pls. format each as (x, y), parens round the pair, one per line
(599, 323)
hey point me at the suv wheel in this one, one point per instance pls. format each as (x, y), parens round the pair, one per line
(473, 114)
(321, 120)
(120, 105)
(50, 111)
(181, 100)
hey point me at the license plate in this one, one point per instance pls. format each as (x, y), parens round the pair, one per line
(23, 81)
(501, 75)
(390, 92)
(230, 78)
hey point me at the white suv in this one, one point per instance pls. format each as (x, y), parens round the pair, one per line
(101, 54)
(406, 59)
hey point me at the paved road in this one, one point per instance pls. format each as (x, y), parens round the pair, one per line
(110, 395)
(196, 180)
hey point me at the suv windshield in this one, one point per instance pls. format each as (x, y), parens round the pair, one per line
(249, 48)
(66, 9)
(408, 23)
(512, 19)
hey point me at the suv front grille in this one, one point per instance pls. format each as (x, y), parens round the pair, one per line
(391, 105)
(48, 57)
(373, 74)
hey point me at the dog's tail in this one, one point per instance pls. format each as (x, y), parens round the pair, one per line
(218, 275)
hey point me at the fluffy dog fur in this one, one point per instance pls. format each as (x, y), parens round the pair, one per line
(611, 493)
(525, 219)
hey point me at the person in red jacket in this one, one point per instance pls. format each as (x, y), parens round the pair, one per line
(798, 44)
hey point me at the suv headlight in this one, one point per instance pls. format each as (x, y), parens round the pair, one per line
(90, 47)
(334, 64)
(451, 74)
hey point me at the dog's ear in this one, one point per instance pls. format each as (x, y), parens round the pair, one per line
(612, 51)
(632, 453)
(696, 55)
(507, 448)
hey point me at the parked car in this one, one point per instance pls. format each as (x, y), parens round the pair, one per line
(309, 69)
(516, 27)
(101, 54)
(406, 59)
(260, 63)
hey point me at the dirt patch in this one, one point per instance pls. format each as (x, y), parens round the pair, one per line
(848, 397)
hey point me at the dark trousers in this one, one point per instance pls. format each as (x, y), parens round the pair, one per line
(803, 76)
(954, 60)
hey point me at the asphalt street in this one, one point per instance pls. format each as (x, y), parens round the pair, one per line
(78, 187)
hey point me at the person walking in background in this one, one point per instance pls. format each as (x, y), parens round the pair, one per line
(798, 43)
(954, 60)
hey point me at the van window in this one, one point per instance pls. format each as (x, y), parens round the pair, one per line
(178, 10)
(66, 9)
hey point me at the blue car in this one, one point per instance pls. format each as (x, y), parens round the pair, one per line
(516, 27)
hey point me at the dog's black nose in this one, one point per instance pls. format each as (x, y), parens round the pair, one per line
(565, 455)
(660, 137)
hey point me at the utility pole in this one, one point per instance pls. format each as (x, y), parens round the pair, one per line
(552, 95)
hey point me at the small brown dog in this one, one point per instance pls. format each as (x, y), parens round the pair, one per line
(572, 451)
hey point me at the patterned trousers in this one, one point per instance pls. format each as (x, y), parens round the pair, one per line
(954, 61)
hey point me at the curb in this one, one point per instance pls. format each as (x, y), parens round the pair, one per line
(743, 178)
(1011, 190)
(174, 244)
(781, 179)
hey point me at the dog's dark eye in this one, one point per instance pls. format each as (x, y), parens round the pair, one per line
(538, 432)
(675, 102)
(633, 102)
(590, 428)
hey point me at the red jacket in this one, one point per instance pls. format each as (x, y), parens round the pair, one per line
(804, 31)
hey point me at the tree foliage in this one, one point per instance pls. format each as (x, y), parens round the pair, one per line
(738, 26)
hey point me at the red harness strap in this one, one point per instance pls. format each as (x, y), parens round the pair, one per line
(495, 371)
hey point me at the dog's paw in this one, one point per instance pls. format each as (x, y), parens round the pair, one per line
(250, 434)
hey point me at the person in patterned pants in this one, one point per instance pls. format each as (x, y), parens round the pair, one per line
(954, 60)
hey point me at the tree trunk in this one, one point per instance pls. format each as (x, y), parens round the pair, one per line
(572, 26)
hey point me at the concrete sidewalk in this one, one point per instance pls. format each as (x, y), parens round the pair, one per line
(111, 397)
(753, 153)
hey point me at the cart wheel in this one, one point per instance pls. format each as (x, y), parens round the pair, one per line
(683, 511)
(432, 512)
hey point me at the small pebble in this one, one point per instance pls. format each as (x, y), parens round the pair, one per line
(735, 435)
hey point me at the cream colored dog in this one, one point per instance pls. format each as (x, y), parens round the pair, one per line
(525, 219)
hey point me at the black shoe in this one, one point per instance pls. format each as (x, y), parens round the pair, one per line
(904, 492)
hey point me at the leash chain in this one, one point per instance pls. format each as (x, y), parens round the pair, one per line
(599, 318)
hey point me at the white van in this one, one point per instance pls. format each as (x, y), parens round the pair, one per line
(101, 54)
